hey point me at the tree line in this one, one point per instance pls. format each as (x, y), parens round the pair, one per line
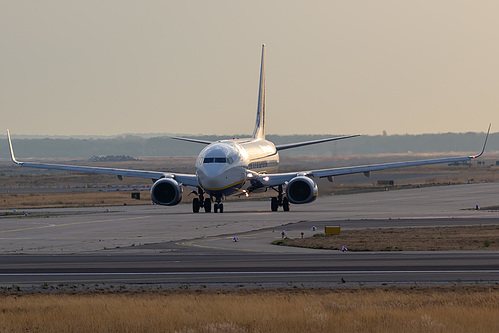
(133, 145)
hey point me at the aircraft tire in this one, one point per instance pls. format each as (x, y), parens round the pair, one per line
(215, 208)
(207, 205)
(285, 204)
(274, 204)
(221, 207)
(195, 205)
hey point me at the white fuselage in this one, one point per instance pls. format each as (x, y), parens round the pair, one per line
(227, 166)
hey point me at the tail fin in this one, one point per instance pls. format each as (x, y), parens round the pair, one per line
(259, 132)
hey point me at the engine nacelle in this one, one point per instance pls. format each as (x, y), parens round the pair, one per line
(167, 192)
(301, 190)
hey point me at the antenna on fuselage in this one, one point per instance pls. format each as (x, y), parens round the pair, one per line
(259, 132)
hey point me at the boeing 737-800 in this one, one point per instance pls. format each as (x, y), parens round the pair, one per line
(237, 166)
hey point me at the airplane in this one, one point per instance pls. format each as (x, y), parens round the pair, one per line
(241, 166)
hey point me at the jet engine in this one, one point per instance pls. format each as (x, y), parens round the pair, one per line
(167, 192)
(301, 190)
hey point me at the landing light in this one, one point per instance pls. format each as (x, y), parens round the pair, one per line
(266, 178)
(249, 175)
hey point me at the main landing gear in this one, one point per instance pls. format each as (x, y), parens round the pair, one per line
(280, 200)
(198, 203)
(202, 202)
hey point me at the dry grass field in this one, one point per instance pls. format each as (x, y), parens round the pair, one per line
(437, 309)
(71, 199)
(404, 239)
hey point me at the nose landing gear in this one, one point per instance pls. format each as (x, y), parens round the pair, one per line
(218, 206)
(200, 202)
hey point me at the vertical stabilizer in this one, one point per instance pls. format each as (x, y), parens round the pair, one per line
(259, 132)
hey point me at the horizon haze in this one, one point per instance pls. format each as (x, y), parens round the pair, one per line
(343, 67)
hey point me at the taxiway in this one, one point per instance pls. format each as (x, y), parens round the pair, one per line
(171, 247)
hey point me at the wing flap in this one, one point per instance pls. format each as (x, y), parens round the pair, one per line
(375, 167)
(184, 179)
(282, 178)
(108, 171)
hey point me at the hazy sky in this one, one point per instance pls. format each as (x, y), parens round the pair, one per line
(333, 67)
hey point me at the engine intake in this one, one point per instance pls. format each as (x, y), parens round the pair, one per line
(167, 192)
(301, 190)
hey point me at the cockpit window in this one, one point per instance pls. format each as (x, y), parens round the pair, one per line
(215, 160)
(224, 160)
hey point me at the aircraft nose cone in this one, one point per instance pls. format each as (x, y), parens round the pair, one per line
(211, 178)
(211, 171)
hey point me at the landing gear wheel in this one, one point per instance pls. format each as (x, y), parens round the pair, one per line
(195, 205)
(274, 204)
(207, 205)
(221, 207)
(215, 208)
(285, 204)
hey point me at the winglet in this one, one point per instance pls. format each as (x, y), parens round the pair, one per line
(484, 144)
(12, 157)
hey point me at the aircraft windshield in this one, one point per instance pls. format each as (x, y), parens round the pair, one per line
(218, 160)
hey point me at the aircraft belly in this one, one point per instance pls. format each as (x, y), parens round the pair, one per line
(224, 192)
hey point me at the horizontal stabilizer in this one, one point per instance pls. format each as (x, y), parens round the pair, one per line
(205, 142)
(313, 142)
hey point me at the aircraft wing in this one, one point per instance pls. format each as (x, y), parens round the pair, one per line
(282, 178)
(184, 179)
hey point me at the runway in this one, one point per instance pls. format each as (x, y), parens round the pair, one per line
(226, 271)
(169, 247)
